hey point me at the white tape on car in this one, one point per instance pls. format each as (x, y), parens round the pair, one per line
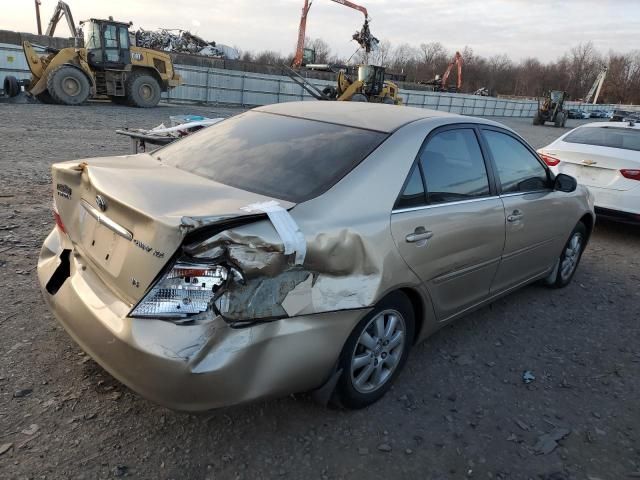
(290, 234)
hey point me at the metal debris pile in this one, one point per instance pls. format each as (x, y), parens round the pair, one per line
(365, 38)
(183, 41)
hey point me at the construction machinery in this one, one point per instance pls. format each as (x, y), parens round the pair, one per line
(552, 109)
(363, 37)
(365, 84)
(107, 65)
(594, 91)
(441, 83)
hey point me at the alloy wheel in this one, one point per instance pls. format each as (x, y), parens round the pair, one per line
(571, 256)
(378, 351)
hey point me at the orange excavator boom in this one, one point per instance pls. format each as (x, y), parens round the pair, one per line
(457, 60)
(297, 59)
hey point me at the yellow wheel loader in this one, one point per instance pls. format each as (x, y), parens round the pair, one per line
(370, 86)
(108, 65)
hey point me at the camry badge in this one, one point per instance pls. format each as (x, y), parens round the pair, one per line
(101, 202)
(589, 162)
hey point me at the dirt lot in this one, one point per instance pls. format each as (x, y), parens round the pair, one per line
(460, 409)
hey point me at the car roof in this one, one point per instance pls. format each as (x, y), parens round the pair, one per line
(371, 116)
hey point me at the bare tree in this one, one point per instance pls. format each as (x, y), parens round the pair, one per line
(322, 49)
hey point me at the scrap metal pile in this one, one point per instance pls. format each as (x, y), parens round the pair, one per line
(182, 41)
(365, 39)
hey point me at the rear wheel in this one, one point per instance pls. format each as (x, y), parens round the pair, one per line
(567, 263)
(11, 86)
(143, 90)
(536, 119)
(389, 101)
(359, 97)
(375, 352)
(68, 85)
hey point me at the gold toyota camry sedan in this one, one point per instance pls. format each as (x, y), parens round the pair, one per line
(300, 247)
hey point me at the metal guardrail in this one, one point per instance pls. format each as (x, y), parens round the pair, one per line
(230, 87)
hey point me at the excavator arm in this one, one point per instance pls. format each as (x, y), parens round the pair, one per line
(62, 10)
(346, 3)
(457, 60)
(361, 37)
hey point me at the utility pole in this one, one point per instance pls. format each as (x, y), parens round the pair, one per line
(38, 17)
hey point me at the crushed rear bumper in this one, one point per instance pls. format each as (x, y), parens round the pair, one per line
(189, 367)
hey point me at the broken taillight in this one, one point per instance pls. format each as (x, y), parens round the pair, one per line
(187, 289)
(631, 174)
(549, 160)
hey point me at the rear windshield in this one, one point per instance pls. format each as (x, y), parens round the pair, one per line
(615, 137)
(281, 157)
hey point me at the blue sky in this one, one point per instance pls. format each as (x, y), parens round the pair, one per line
(519, 28)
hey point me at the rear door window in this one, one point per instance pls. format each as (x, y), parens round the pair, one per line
(518, 169)
(613, 137)
(413, 194)
(454, 167)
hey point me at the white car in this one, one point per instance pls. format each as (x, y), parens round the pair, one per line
(604, 156)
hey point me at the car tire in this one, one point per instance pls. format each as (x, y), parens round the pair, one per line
(143, 90)
(567, 263)
(68, 85)
(375, 352)
(11, 86)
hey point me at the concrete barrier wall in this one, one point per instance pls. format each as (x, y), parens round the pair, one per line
(207, 85)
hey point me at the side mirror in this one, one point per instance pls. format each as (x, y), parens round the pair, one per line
(565, 183)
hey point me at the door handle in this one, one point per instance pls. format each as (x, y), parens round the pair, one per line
(515, 216)
(419, 235)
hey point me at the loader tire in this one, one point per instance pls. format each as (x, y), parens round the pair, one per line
(536, 119)
(558, 120)
(143, 90)
(68, 85)
(359, 97)
(388, 101)
(11, 86)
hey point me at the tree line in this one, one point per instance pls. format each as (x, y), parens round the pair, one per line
(574, 72)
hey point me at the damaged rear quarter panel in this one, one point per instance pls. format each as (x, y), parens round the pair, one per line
(351, 259)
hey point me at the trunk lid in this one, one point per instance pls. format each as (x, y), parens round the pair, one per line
(595, 166)
(124, 215)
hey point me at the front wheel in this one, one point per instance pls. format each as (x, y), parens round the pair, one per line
(375, 352)
(567, 263)
(68, 85)
(359, 97)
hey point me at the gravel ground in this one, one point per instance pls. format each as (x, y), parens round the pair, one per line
(459, 410)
